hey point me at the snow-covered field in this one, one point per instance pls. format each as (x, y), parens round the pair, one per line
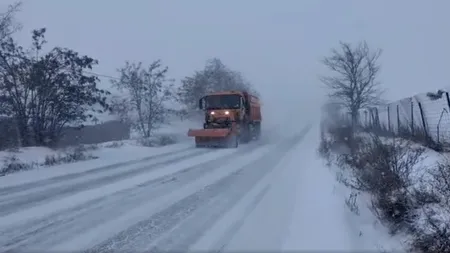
(274, 194)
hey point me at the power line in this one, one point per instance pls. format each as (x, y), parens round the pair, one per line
(101, 75)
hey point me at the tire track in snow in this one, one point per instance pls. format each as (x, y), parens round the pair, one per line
(61, 226)
(145, 233)
(34, 198)
(5, 191)
(231, 231)
(179, 240)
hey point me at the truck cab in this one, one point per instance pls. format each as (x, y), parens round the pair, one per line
(222, 109)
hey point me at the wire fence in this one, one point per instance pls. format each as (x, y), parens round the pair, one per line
(424, 117)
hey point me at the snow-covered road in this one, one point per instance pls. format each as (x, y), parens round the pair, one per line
(168, 201)
(263, 196)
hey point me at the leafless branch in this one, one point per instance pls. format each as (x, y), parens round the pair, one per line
(148, 90)
(8, 23)
(355, 81)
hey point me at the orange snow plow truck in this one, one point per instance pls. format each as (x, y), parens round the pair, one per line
(231, 117)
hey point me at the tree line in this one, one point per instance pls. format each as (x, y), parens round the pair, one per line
(43, 91)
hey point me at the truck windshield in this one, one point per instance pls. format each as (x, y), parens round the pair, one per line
(222, 102)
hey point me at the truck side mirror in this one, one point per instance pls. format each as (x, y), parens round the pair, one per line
(201, 103)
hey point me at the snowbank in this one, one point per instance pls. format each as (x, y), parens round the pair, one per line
(33, 161)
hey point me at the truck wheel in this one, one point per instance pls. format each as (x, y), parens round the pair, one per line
(233, 141)
(246, 134)
(257, 129)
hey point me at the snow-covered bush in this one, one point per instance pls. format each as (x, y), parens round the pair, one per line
(12, 164)
(158, 141)
(381, 168)
(114, 144)
(432, 228)
(166, 139)
(79, 153)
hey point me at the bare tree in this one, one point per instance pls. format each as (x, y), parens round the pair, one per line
(147, 93)
(216, 76)
(8, 23)
(355, 81)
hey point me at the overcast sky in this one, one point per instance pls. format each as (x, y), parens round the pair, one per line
(276, 44)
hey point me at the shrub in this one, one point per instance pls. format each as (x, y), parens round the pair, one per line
(432, 231)
(157, 141)
(165, 140)
(77, 154)
(12, 164)
(115, 144)
(384, 170)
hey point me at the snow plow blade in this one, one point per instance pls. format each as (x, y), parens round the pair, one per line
(222, 132)
(213, 138)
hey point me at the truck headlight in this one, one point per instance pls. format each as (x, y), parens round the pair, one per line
(227, 112)
(212, 113)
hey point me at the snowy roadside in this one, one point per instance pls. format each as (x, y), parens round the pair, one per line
(368, 233)
(428, 187)
(401, 184)
(34, 163)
